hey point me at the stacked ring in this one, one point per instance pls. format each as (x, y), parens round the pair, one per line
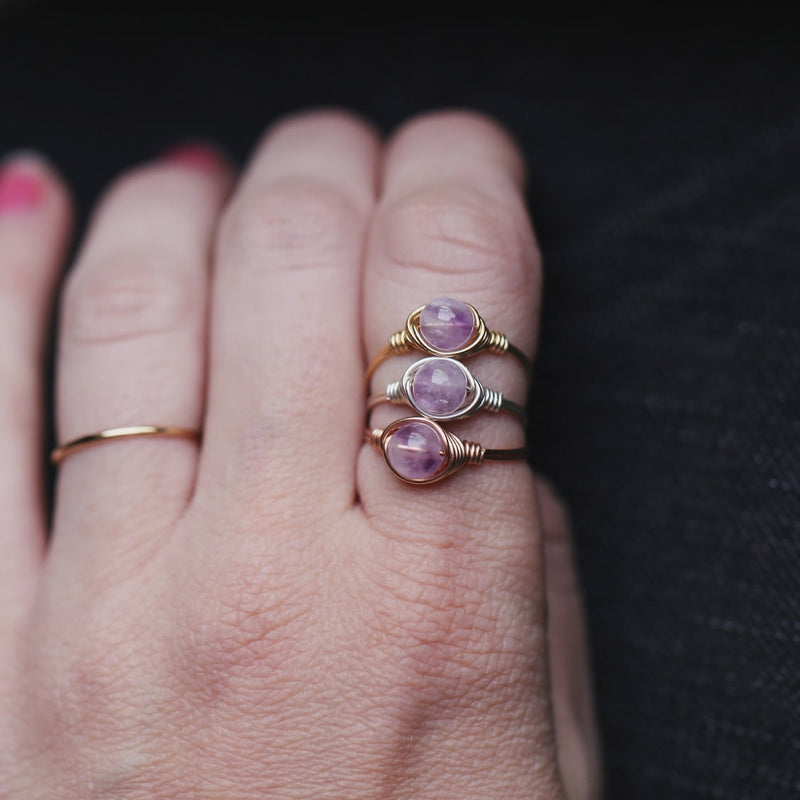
(418, 449)
(444, 389)
(446, 327)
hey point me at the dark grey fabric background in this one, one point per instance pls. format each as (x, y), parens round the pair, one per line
(666, 192)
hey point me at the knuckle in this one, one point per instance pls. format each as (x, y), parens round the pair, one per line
(456, 231)
(450, 622)
(129, 295)
(246, 636)
(84, 695)
(297, 223)
(79, 692)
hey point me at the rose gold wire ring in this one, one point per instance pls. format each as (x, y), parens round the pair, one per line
(444, 389)
(418, 450)
(446, 327)
(130, 432)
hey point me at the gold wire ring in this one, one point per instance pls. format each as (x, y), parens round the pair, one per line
(130, 432)
(419, 451)
(479, 338)
(453, 392)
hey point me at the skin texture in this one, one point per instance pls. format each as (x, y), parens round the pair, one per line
(272, 613)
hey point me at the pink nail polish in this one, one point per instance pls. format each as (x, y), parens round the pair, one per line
(21, 187)
(194, 156)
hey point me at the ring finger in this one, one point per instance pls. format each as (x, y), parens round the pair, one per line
(132, 352)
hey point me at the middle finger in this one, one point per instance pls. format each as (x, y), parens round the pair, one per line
(285, 405)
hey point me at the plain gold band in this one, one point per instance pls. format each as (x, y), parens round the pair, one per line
(132, 431)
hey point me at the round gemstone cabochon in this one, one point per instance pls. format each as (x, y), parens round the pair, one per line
(439, 387)
(446, 324)
(415, 450)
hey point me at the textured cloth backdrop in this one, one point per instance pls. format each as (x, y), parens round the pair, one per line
(666, 192)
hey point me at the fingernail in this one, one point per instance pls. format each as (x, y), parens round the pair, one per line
(193, 155)
(21, 184)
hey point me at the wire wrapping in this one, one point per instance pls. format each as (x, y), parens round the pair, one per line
(478, 397)
(457, 452)
(481, 339)
(399, 342)
(461, 452)
(492, 400)
(394, 393)
(497, 342)
(410, 338)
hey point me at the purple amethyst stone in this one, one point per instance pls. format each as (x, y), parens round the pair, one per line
(447, 325)
(416, 451)
(439, 387)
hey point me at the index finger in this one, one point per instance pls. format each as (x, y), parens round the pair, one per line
(452, 223)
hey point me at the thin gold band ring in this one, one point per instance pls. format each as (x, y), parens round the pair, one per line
(130, 432)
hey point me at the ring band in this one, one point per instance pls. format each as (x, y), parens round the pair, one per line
(133, 431)
(444, 389)
(446, 327)
(418, 450)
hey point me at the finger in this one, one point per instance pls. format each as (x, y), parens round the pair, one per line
(285, 400)
(34, 225)
(132, 353)
(452, 222)
(570, 677)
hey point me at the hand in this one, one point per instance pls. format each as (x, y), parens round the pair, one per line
(273, 614)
